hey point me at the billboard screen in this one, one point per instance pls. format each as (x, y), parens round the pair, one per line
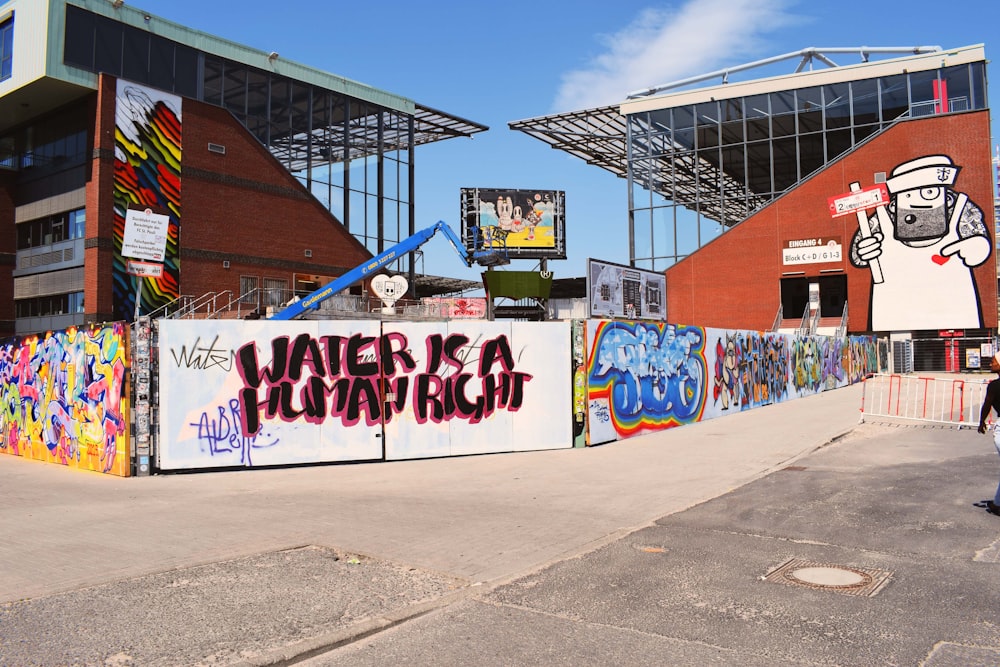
(624, 292)
(530, 223)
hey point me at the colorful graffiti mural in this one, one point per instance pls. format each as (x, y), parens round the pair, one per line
(147, 176)
(644, 377)
(63, 398)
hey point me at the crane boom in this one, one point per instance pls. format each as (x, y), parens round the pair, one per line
(356, 274)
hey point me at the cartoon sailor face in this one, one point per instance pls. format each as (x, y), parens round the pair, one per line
(919, 188)
(921, 214)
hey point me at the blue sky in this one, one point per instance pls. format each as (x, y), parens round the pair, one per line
(498, 62)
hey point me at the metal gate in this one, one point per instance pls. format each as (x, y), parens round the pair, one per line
(927, 399)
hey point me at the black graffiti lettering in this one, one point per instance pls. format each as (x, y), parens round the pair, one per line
(391, 356)
(355, 367)
(438, 399)
(462, 404)
(314, 395)
(427, 398)
(498, 348)
(250, 372)
(305, 350)
(364, 398)
(332, 350)
(447, 349)
(203, 358)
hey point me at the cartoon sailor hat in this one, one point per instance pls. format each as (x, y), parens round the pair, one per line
(924, 172)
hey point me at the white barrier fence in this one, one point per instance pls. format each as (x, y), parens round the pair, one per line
(928, 399)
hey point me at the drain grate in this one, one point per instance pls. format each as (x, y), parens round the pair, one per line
(857, 581)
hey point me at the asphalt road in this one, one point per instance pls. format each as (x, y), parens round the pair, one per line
(690, 547)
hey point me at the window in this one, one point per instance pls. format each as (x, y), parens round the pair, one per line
(249, 293)
(47, 306)
(77, 223)
(7, 48)
(53, 229)
(274, 291)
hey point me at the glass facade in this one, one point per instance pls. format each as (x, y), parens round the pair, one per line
(355, 157)
(696, 170)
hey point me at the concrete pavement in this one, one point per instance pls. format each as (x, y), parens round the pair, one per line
(261, 566)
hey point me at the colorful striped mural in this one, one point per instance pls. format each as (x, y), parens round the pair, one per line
(147, 176)
(64, 398)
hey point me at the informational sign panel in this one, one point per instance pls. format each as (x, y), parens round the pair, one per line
(812, 251)
(529, 224)
(145, 235)
(618, 291)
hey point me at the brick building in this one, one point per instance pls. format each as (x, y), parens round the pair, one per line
(265, 177)
(854, 198)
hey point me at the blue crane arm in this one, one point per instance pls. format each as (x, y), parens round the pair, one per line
(410, 244)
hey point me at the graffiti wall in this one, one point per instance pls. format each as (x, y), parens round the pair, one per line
(644, 377)
(65, 398)
(147, 178)
(252, 393)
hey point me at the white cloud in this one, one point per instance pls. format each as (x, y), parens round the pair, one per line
(663, 45)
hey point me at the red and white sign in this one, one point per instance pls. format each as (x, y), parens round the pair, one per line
(145, 269)
(862, 200)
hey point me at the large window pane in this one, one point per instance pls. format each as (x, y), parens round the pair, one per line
(78, 46)
(758, 117)
(109, 46)
(958, 88)
(864, 102)
(978, 71)
(922, 101)
(185, 71)
(809, 103)
(837, 105)
(786, 164)
(732, 120)
(235, 89)
(135, 64)
(213, 81)
(811, 154)
(783, 114)
(708, 124)
(893, 97)
(161, 63)
(759, 167)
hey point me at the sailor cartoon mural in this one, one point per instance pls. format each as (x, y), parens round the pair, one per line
(925, 244)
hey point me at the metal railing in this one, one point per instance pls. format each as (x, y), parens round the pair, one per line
(842, 329)
(777, 319)
(173, 306)
(803, 329)
(954, 401)
(206, 301)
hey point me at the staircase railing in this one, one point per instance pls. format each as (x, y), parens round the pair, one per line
(206, 301)
(842, 329)
(171, 307)
(803, 329)
(777, 319)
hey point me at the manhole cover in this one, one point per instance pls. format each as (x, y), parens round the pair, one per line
(859, 581)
